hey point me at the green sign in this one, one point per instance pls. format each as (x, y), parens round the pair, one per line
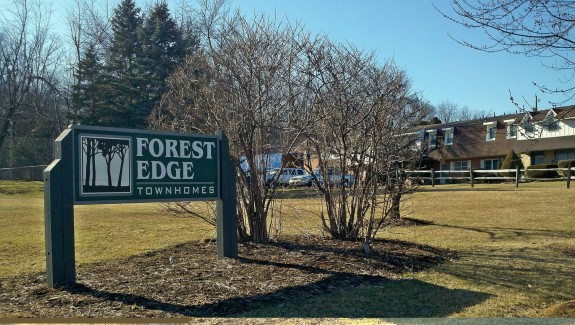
(120, 165)
(95, 165)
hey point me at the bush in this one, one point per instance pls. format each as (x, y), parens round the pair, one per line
(487, 181)
(511, 161)
(542, 173)
(565, 164)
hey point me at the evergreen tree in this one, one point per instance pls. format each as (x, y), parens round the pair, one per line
(124, 84)
(164, 48)
(435, 120)
(86, 92)
(511, 161)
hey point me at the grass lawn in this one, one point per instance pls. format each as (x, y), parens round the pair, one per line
(517, 256)
(516, 246)
(102, 232)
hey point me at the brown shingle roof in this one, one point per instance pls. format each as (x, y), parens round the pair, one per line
(469, 142)
(566, 112)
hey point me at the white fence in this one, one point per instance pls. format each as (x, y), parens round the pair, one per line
(474, 175)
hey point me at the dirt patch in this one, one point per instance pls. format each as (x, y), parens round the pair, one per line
(188, 281)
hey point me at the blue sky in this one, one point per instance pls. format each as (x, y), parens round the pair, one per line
(417, 38)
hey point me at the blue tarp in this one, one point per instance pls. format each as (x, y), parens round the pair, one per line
(268, 161)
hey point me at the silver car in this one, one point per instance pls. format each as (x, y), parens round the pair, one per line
(302, 180)
(274, 178)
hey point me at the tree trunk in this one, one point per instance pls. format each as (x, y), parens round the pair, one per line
(6, 126)
(121, 169)
(88, 162)
(395, 205)
(94, 149)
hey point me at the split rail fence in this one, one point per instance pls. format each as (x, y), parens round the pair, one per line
(28, 173)
(35, 173)
(474, 175)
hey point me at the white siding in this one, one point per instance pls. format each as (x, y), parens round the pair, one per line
(565, 128)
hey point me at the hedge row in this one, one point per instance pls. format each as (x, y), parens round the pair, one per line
(565, 164)
(541, 173)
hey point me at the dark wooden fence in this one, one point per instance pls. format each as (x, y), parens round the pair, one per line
(28, 173)
(473, 176)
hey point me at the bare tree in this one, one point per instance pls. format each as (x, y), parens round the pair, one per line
(532, 28)
(465, 113)
(447, 111)
(242, 83)
(29, 75)
(88, 25)
(271, 87)
(361, 115)
(450, 112)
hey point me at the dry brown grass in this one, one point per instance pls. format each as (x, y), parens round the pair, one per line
(517, 246)
(102, 232)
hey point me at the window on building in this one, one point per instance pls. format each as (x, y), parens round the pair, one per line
(538, 158)
(419, 140)
(448, 136)
(461, 165)
(491, 164)
(432, 139)
(529, 127)
(491, 131)
(550, 123)
(564, 155)
(511, 131)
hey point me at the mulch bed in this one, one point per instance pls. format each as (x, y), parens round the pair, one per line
(187, 280)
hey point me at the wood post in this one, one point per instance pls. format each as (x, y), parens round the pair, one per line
(517, 176)
(569, 175)
(432, 177)
(59, 215)
(226, 218)
(471, 177)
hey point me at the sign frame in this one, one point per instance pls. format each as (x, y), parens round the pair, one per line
(63, 181)
(117, 133)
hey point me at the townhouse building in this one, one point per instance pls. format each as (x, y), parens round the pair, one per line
(539, 137)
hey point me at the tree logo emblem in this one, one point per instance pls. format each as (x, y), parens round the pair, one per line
(105, 165)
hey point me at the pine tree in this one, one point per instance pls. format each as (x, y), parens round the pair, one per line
(164, 48)
(124, 69)
(86, 92)
(511, 161)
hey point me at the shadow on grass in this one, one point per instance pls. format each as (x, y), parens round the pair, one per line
(546, 271)
(506, 232)
(356, 296)
(380, 299)
(347, 295)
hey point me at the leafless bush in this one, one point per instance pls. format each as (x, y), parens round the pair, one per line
(241, 83)
(361, 115)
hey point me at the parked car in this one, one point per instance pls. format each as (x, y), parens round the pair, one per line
(335, 178)
(275, 179)
(302, 180)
